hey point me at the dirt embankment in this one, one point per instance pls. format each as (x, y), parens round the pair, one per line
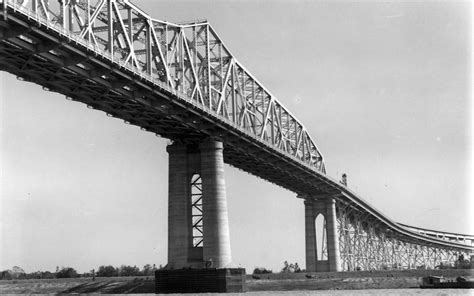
(266, 282)
(347, 280)
(117, 285)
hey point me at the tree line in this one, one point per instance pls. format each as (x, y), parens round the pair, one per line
(69, 272)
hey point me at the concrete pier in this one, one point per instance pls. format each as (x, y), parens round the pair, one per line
(216, 224)
(310, 237)
(178, 207)
(332, 236)
(326, 207)
(185, 161)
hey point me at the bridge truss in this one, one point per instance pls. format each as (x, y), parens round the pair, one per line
(188, 60)
(181, 82)
(366, 244)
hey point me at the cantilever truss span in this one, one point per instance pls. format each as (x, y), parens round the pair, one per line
(188, 60)
(181, 82)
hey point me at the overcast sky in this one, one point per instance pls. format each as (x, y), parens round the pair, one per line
(383, 88)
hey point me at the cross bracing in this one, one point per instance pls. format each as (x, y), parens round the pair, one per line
(187, 59)
(197, 211)
(368, 245)
(181, 82)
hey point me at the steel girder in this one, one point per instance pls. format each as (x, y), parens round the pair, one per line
(188, 59)
(367, 244)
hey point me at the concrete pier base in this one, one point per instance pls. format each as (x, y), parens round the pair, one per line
(223, 280)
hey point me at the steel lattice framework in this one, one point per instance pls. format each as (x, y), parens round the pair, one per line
(187, 59)
(196, 210)
(367, 245)
(181, 82)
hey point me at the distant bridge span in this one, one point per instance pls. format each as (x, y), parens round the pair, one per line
(181, 82)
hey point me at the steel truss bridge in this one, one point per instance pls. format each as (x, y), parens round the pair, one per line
(181, 82)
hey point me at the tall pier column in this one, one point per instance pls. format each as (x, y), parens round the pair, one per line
(198, 167)
(332, 236)
(178, 207)
(310, 236)
(216, 224)
(326, 207)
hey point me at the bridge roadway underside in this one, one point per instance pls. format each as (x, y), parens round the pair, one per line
(64, 67)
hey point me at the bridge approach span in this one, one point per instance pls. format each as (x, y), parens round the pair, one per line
(449, 236)
(181, 82)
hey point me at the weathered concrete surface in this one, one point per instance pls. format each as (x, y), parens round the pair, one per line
(310, 236)
(205, 159)
(178, 207)
(216, 224)
(332, 236)
(326, 207)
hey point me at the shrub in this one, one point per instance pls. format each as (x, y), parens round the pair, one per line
(126, 270)
(6, 275)
(290, 267)
(66, 272)
(107, 271)
(47, 275)
(261, 270)
(148, 270)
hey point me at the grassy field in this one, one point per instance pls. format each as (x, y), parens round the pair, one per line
(267, 282)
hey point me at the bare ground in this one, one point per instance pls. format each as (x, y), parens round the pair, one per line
(348, 280)
(267, 282)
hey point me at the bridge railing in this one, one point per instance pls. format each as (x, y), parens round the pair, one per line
(187, 59)
(447, 236)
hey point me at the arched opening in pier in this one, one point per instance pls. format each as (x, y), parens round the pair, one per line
(321, 239)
